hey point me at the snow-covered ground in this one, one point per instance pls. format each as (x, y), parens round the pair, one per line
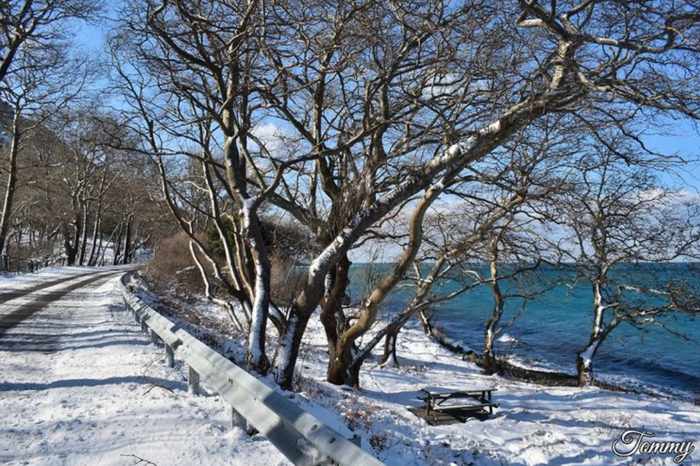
(81, 385)
(535, 425)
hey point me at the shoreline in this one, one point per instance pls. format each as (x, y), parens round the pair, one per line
(520, 371)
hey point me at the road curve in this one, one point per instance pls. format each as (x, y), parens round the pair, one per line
(81, 385)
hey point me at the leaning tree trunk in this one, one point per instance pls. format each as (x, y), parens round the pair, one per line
(390, 334)
(599, 331)
(290, 344)
(103, 248)
(345, 367)
(490, 365)
(300, 312)
(389, 352)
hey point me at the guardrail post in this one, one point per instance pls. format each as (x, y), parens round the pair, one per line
(250, 429)
(169, 356)
(193, 381)
(154, 337)
(237, 420)
(311, 454)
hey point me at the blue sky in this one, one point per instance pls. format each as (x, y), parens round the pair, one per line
(684, 140)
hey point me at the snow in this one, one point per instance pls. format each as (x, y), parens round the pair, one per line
(100, 391)
(587, 354)
(81, 385)
(534, 424)
(506, 338)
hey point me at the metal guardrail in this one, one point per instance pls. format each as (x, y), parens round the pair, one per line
(296, 433)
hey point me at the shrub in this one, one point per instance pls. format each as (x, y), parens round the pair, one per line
(286, 279)
(172, 267)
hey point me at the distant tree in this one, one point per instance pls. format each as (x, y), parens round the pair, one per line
(622, 228)
(39, 74)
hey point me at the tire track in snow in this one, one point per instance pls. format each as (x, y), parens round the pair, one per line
(27, 310)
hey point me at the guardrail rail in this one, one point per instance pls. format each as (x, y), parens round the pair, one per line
(296, 433)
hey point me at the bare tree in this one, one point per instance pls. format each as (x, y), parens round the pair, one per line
(621, 226)
(379, 104)
(38, 25)
(387, 125)
(38, 74)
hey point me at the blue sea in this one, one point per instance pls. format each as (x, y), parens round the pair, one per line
(549, 328)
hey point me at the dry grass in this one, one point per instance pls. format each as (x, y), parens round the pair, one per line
(172, 267)
(286, 280)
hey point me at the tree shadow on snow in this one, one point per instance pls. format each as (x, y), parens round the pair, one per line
(71, 383)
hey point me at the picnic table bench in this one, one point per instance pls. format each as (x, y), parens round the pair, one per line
(438, 400)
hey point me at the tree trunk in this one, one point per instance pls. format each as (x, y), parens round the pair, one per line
(69, 249)
(390, 348)
(93, 241)
(339, 366)
(490, 365)
(344, 364)
(117, 245)
(333, 319)
(84, 234)
(289, 347)
(11, 182)
(599, 331)
(128, 239)
(584, 364)
(256, 357)
(72, 251)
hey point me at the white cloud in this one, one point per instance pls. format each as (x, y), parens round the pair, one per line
(271, 135)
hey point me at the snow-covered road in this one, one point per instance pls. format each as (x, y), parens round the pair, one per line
(80, 385)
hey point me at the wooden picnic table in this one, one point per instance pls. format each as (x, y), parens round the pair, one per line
(435, 400)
